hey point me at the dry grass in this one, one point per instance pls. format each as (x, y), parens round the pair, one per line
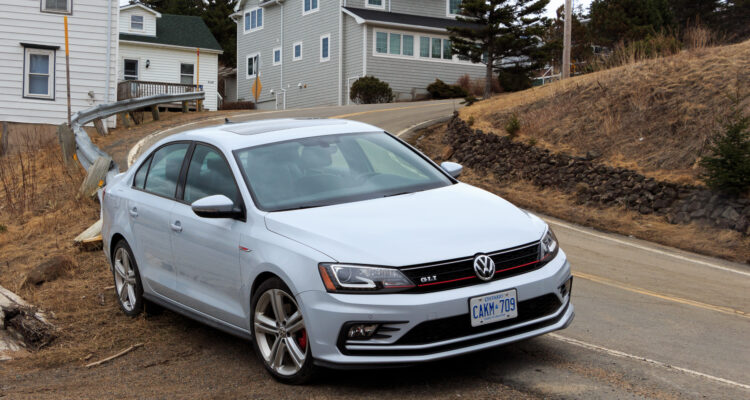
(657, 114)
(727, 244)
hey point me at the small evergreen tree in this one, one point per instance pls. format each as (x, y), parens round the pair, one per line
(371, 90)
(727, 167)
(628, 20)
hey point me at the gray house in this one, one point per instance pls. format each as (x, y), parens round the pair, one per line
(307, 53)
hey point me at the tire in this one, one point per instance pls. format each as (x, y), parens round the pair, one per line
(290, 360)
(128, 286)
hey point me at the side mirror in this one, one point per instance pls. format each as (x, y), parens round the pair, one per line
(217, 206)
(453, 169)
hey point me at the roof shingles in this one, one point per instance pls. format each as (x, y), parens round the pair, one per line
(179, 30)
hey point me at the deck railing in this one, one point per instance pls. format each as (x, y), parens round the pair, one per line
(135, 89)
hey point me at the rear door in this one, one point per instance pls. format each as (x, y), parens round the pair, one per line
(149, 207)
(206, 250)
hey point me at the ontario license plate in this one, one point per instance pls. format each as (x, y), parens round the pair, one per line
(493, 307)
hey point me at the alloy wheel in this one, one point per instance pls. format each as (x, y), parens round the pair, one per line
(280, 332)
(125, 281)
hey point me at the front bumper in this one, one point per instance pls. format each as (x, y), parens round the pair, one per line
(327, 313)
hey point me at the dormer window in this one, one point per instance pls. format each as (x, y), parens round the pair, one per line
(57, 6)
(454, 7)
(375, 4)
(136, 22)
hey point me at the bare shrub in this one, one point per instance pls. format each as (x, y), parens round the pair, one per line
(475, 86)
(698, 37)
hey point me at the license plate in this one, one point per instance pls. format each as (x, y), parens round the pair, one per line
(493, 307)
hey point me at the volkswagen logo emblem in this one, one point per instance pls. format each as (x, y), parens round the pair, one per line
(484, 267)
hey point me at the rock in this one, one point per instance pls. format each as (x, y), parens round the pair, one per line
(699, 213)
(592, 154)
(730, 214)
(447, 152)
(48, 271)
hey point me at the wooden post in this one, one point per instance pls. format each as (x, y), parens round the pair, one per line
(134, 118)
(124, 119)
(4, 139)
(95, 177)
(184, 106)
(67, 140)
(566, 39)
(101, 128)
(67, 64)
(155, 112)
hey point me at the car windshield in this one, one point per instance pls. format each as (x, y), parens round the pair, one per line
(334, 169)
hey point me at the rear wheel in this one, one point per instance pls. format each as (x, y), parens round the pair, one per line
(128, 287)
(281, 340)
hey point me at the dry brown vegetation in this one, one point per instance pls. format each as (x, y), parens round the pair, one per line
(726, 244)
(653, 116)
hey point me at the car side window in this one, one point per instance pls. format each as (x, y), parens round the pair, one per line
(165, 169)
(208, 175)
(140, 176)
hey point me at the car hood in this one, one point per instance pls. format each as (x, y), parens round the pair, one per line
(439, 224)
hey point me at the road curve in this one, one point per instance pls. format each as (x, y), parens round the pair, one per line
(651, 321)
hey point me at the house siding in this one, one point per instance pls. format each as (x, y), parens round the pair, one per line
(412, 75)
(427, 8)
(319, 80)
(353, 67)
(23, 22)
(165, 67)
(149, 21)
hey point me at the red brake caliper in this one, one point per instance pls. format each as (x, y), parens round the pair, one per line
(302, 339)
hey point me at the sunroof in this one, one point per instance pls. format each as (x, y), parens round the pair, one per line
(272, 125)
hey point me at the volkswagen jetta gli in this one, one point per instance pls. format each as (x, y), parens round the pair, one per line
(329, 243)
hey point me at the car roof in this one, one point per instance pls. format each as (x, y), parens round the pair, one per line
(233, 136)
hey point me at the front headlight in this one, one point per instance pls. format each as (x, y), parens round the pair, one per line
(344, 278)
(549, 246)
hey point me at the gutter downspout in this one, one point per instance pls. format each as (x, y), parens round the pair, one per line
(281, 70)
(109, 55)
(341, 61)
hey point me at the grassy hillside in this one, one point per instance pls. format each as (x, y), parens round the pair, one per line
(653, 116)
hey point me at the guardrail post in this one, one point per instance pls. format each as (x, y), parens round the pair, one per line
(4, 139)
(184, 106)
(95, 177)
(124, 119)
(101, 128)
(155, 112)
(67, 140)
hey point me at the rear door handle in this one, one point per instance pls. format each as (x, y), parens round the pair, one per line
(176, 226)
(133, 212)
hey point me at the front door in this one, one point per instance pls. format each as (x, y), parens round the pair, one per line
(206, 250)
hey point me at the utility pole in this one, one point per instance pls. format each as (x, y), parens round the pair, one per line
(566, 39)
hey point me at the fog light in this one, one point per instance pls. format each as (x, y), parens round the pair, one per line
(566, 287)
(362, 331)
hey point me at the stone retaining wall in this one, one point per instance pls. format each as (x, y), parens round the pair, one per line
(593, 182)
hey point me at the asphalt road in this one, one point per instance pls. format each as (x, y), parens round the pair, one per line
(651, 321)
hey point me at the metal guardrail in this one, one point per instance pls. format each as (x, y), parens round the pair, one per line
(86, 151)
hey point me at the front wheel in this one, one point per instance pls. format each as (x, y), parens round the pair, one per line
(280, 336)
(128, 287)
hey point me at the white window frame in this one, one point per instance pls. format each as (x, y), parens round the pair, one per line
(137, 68)
(301, 49)
(192, 75)
(143, 23)
(273, 56)
(448, 10)
(28, 51)
(377, 7)
(256, 66)
(324, 59)
(416, 56)
(68, 10)
(312, 10)
(248, 14)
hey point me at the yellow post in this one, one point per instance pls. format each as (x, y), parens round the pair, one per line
(67, 64)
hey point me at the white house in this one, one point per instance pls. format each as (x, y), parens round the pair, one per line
(163, 48)
(32, 58)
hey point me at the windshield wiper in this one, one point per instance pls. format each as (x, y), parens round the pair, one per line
(397, 194)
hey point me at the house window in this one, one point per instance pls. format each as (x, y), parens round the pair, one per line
(187, 72)
(57, 6)
(254, 19)
(408, 45)
(39, 73)
(297, 51)
(325, 50)
(424, 46)
(381, 42)
(136, 22)
(130, 70)
(375, 3)
(309, 6)
(447, 54)
(277, 56)
(437, 47)
(454, 7)
(399, 44)
(395, 43)
(253, 65)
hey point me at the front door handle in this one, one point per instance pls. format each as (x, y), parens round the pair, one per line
(176, 226)
(133, 212)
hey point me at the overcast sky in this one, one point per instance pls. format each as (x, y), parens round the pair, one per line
(553, 5)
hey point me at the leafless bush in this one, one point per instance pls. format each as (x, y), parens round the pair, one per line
(476, 86)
